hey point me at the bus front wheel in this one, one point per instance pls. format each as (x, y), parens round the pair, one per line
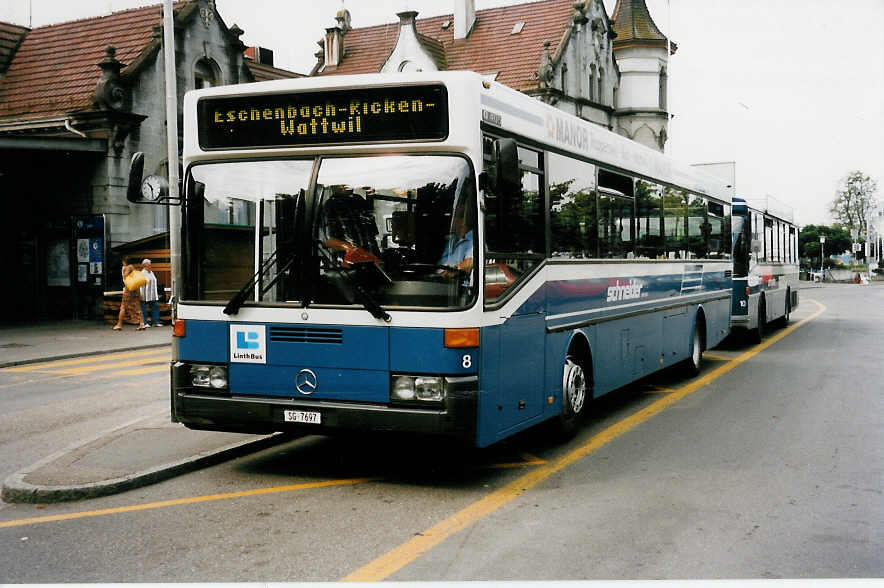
(576, 392)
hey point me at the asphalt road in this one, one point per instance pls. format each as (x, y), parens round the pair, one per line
(768, 465)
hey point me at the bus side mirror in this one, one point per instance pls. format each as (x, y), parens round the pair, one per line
(504, 176)
(756, 246)
(136, 172)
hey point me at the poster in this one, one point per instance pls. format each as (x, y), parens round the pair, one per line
(82, 272)
(58, 263)
(82, 250)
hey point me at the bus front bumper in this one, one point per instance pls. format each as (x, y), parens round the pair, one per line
(456, 417)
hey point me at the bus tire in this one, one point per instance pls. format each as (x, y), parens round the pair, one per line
(576, 393)
(784, 320)
(694, 362)
(757, 334)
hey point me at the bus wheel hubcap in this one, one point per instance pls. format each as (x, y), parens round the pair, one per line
(575, 386)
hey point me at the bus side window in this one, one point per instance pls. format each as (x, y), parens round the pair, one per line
(616, 215)
(675, 222)
(649, 220)
(573, 208)
(515, 228)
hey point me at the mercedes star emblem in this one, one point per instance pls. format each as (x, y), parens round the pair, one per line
(306, 382)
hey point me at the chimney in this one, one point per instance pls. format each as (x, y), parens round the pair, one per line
(259, 55)
(464, 18)
(334, 39)
(334, 47)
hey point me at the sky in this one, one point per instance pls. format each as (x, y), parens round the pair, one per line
(791, 91)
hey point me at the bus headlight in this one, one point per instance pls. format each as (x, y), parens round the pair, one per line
(208, 376)
(417, 389)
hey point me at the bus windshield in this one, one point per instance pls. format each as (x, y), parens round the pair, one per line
(391, 231)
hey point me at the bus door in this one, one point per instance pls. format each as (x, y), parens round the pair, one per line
(520, 388)
(515, 246)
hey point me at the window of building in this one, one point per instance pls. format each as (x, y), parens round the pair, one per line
(662, 97)
(204, 74)
(600, 95)
(601, 85)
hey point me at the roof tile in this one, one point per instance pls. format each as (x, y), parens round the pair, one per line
(490, 47)
(55, 69)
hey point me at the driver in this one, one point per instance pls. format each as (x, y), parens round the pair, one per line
(458, 251)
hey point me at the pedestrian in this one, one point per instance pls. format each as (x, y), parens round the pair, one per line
(130, 307)
(149, 297)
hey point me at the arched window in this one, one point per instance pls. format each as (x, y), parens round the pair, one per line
(204, 74)
(592, 93)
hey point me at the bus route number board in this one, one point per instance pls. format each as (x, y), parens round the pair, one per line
(302, 416)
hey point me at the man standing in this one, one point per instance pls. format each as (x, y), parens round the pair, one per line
(149, 297)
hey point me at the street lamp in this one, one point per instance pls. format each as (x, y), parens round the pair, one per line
(822, 257)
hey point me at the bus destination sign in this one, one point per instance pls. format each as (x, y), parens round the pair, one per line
(364, 115)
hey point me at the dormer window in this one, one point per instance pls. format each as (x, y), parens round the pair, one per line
(446, 25)
(409, 66)
(517, 28)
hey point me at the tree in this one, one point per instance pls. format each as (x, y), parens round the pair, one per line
(837, 241)
(855, 202)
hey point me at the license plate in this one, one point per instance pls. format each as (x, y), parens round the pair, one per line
(301, 416)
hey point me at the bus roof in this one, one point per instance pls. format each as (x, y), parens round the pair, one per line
(473, 97)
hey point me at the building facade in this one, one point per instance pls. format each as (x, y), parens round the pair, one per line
(608, 70)
(77, 100)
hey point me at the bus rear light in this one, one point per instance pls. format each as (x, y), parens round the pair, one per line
(179, 328)
(748, 291)
(461, 338)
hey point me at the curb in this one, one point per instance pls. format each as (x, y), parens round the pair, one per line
(16, 490)
(18, 362)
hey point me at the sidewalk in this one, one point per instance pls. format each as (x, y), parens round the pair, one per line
(44, 341)
(137, 453)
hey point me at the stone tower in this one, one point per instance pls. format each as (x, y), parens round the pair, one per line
(642, 53)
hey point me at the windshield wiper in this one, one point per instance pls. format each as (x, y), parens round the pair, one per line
(361, 294)
(239, 298)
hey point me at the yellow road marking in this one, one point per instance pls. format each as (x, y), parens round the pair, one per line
(79, 371)
(154, 369)
(404, 554)
(528, 460)
(660, 390)
(716, 357)
(51, 365)
(180, 501)
(394, 560)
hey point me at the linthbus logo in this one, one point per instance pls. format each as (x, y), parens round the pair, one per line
(247, 344)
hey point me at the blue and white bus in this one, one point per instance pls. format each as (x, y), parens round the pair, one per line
(765, 265)
(430, 253)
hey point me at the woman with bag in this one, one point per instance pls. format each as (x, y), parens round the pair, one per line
(130, 307)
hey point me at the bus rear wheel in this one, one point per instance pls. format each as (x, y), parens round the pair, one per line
(695, 361)
(757, 334)
(784, 320)
(576, 392)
